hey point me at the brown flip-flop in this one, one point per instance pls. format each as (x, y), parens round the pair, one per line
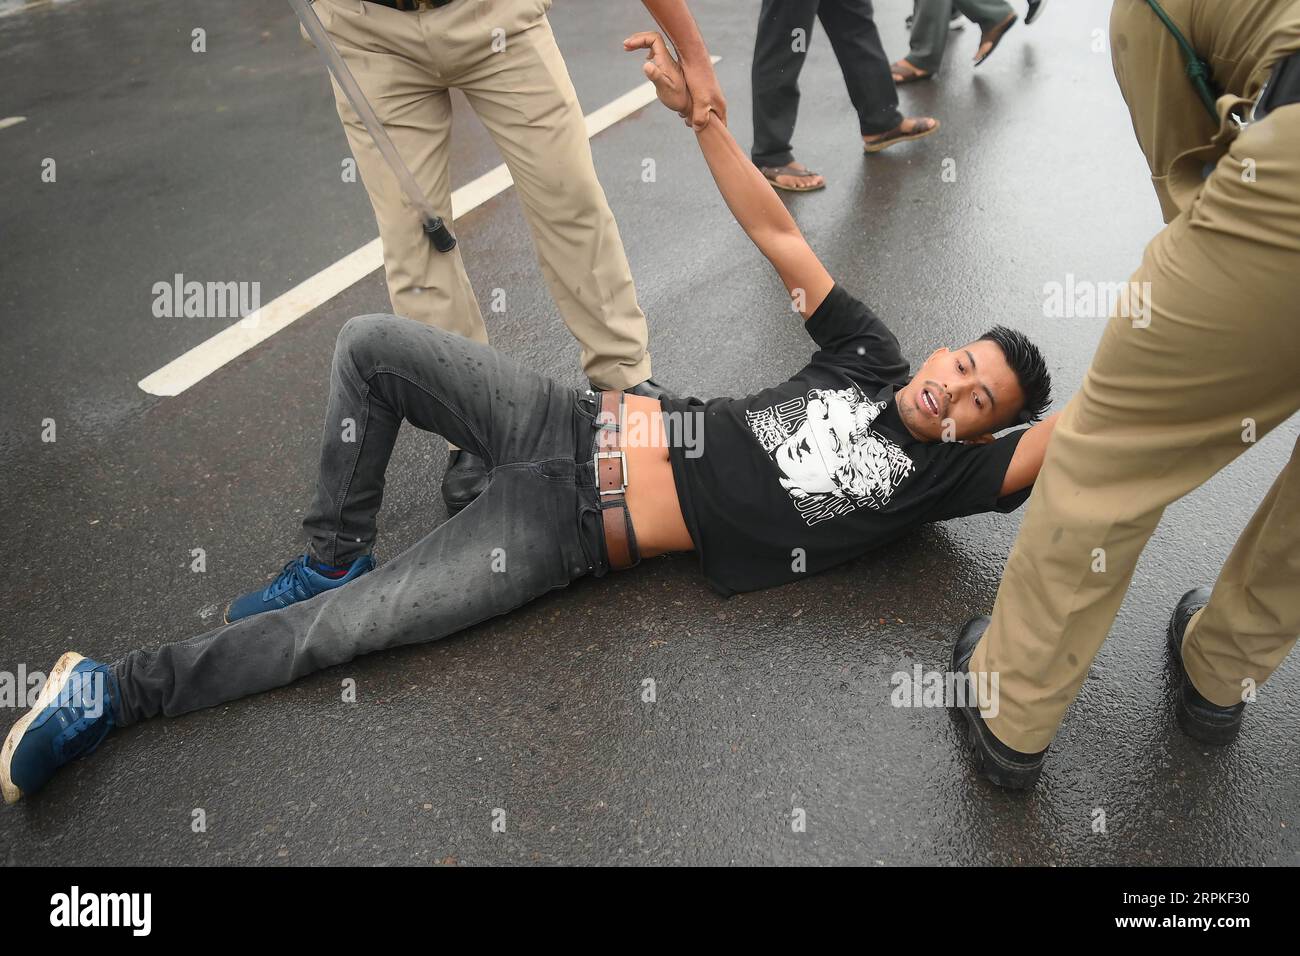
(905, 72)
(771, 172)
(995, 36)
(896, 135)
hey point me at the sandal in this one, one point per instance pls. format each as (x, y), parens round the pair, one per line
(904, 72)
(771, 172)
(922, 126)
(994, 37)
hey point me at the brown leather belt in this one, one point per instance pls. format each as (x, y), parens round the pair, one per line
(610, 462)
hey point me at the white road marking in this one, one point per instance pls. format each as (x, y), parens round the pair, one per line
(12, 121)
(22, 6)
(258, 326)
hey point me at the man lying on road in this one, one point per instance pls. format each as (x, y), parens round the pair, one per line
(846, 456)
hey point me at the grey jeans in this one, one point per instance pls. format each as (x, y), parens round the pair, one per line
(535, 528)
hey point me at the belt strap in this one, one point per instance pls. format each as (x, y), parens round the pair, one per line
(611, 481)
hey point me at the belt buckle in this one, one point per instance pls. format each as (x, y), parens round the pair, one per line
(622, 461)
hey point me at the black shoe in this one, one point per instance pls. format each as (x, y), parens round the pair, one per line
(995, 760)
(1035, 9)
(647, 389)
(465, 479)
(1199, 719)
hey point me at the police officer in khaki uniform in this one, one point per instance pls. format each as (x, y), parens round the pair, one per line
(1169, 402)
(407, 56)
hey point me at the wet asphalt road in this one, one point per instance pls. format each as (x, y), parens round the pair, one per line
(225, 166)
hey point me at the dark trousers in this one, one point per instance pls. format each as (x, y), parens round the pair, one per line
(535, 528)
(778, 57)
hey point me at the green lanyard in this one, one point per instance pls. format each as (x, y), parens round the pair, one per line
(1197, 69)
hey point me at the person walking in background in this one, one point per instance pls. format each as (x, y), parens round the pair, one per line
(784, 29)
(930, 27)
(407, 56)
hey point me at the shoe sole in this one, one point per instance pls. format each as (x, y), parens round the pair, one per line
(1215, 733)
(53, 684)
(1007, 776)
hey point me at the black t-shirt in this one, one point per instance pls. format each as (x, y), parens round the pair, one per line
(820, 469)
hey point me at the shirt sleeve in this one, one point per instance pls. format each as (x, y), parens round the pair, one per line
(973, 476)
(852, 336)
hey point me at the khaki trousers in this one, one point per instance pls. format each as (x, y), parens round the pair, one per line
(502, 55)
(1166, 405)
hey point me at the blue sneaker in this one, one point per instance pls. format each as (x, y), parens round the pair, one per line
(297, 582)
(72, 715)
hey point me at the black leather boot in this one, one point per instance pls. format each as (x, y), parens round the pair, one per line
(465, 479)
(995, 760)
(1199, 719)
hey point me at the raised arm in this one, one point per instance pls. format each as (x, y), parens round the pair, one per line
(1027, 461)
(749, 196)
(675, 20)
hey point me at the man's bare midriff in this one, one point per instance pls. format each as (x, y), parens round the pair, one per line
(651, 490)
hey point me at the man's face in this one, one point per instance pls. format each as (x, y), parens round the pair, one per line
(960, 394)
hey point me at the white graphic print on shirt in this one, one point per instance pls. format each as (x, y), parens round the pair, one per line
(831, 461)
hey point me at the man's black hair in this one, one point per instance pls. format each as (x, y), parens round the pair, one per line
(1030, 368)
